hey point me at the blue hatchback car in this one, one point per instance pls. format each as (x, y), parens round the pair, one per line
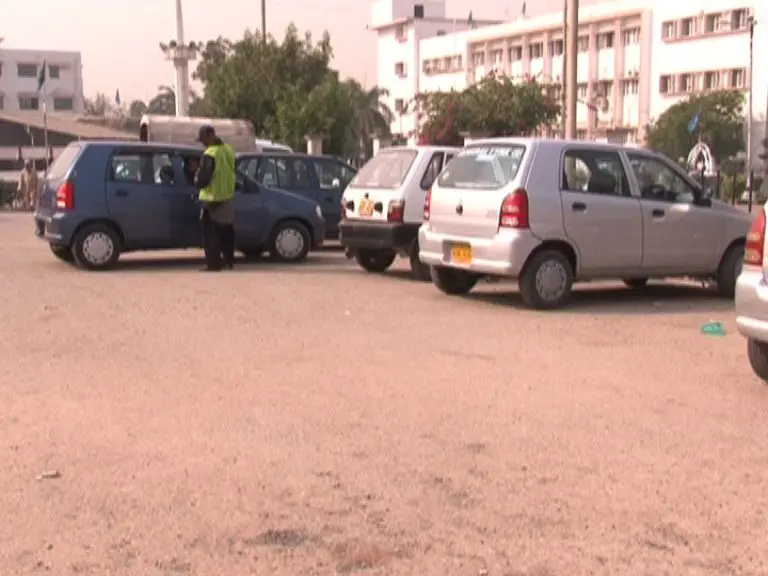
(101, 199)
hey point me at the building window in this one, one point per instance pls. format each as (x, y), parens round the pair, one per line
(1, 69)
(54, 72)
(2, 101)
(581, 134)
(26, 70)
(686, 83)
(605, 41)
(63, 104)
(426, 66)
(581, 91)
(441, 32)
(418, 10)
(583, 43)
(400, 69)
(604, 89)
(666, 84)
(687, 28)
(400, 33)
(737, 78)
(711, 80)
(497, 56)
(29, 103)
(515, 53)
(556, 48)
(399, 105)
(669, 30)
(712, 23)
(630, 87)
(536, 50)
(478, 59)
(631, 36)
(739, 19)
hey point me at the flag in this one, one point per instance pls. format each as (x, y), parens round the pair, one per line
(469, 20)
(41, 77)
(117, 97)
(693, 123)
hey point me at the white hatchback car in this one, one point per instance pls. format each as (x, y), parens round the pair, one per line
(551, 212)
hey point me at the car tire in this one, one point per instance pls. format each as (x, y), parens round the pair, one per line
(63, 253)
(96, 247)
(452, 281)
(729, 270)
(290, 242)
(548, 266)
(420, 271)
(252, 254)
(376, 261)
(635, 283)
(757, 352)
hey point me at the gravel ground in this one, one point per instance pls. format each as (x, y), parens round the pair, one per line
(320, 420)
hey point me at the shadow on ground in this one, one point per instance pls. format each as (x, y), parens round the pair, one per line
(653, 299)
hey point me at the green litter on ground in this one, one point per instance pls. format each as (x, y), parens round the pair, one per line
(713, 329)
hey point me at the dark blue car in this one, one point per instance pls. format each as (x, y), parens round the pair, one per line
(100, 199)
(319, 178)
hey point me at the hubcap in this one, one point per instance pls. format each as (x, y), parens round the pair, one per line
(98, 248)
(289, 243)
(551, 278)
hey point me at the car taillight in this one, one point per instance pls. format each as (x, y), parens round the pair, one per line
(754, 248)
(395, 211)
(428, 205)
(514, 210)
(65, 196)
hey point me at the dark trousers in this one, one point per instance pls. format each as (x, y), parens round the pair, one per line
(218, 243)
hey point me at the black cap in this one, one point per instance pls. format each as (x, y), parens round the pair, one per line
(205, 130)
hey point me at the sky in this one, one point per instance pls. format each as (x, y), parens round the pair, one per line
(119, 39)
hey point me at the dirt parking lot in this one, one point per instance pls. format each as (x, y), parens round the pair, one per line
(319, 420)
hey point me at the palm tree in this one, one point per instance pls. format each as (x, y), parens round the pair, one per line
(372, 117)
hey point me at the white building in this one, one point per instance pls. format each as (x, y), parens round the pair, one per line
(19, 73)
(636, 57)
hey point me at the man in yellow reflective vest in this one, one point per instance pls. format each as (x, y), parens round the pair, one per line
(215, 179)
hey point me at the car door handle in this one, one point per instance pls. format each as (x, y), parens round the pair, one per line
(329, 198)
(579, 207)
(121, 193)
(657, 213)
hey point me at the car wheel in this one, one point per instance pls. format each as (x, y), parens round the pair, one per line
(63, 253)
(420, 270)
(636, 283)
(546, 281)
(96, 247)
(290, 242)
(757, 352)
(375, 260)
(729, 271)
(452, 281)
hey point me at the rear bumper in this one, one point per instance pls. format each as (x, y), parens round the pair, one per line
(377, 235)
(503, 255)
(318, 236)
(56, 229)
(751, 303)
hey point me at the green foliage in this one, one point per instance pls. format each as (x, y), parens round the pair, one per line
(721, 125)
(496, 106)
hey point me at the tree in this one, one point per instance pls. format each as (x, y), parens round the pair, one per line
(164, 103)
(720, 125)
(137, 108)
(496, 106)
(100, 105)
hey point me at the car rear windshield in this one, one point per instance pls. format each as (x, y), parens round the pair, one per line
(483, 167)
(385, 170)
(63, 162)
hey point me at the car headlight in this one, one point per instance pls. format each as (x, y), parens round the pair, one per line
(319, 211)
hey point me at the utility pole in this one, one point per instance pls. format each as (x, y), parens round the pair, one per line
(263, 20)
(563, 100)
(571, 53)
(751, 25)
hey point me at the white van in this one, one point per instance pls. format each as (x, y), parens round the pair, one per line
(383, 206)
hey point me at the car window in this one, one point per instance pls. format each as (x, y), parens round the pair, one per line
(266, 173)
(142, 168)
(483, 167)
(298, 175)
(332, 174)
(386, 170)
(64, 162)
(658, 181)
(190, 162)
(448, 158)
(594, 172)
(432, 171)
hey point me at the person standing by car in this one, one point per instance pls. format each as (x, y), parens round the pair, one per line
(216, 180)
(28, 188)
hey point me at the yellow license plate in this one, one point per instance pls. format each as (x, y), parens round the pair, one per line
(461, 254)
(366, 207)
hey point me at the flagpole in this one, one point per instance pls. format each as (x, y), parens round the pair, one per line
(45, 131)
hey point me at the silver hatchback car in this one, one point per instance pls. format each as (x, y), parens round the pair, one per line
(551, 212)
(752, 297)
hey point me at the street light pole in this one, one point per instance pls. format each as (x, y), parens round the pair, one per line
(563, 100)
(263, 20)
(751, 24)
(571, 67)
